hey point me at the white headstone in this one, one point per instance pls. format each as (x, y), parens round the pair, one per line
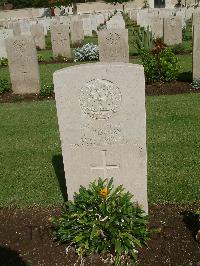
(94, 22)
(172, 30)
(113, 45)
(37, 32)
(60, 40)
(87, 25)
(23, 64)
(25, 27)
(156, 25)
(16, 28)
(115, 23)
(44, 22)
(66, 21)
(4, 34)
(102, 124)
(196, 51)
(196, 18)
(76, 30)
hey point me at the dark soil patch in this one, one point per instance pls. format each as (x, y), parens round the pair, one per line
(10, 97)
(26, 238)
(49, 62)
(56, 61)
(170, 88)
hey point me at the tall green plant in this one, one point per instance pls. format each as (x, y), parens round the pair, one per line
(160, 64)
(143, 39)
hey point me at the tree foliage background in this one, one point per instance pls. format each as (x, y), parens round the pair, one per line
(49, 3)
(38, 3)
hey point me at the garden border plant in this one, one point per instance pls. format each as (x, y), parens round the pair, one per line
(160, 63)
(103, 219)
(5, 85)
(3, 61)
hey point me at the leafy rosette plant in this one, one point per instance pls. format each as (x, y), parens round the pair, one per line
(89, 52)
(103, 219)
(3, 61)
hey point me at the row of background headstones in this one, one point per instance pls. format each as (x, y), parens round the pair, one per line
(153, 18)
(185, 13)
(86, 23)
(141, 15)
(22, 55)
(113, 45)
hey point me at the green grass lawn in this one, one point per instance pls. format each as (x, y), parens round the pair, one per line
(29, 142)
(185, 63)
(46, 54)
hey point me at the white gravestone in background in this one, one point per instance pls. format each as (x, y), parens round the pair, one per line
(37, 32)
(115, 23)
(196, 52)
(113, 45)
(60, 40)
(45, 25)
(196, 18)
(102, 124)
(156, 25)
(25, 27)
(172, 30)
(94, 22)
(23, 64)
(76, 30)
(16, 28)
(4, 34)
(87, 25)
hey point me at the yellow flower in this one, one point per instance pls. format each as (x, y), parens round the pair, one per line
(50, 219)
(104, 192)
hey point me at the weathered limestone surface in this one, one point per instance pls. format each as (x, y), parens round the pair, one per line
(196, 52)
(37, 32)
(102, 124)
(172, 30)
(4, 34)
(113, 45)
(76, 30)
(60, 40)
(23, 65)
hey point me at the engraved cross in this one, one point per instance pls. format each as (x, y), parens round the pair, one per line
(105, 167)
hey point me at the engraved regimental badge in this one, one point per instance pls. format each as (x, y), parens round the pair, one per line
(100, 99)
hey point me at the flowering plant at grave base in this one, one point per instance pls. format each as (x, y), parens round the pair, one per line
(40, 58)
(196, 84)
(3, 61)
(61, 58)
(47, 90)
(89, 52)
(103, 219)
(160, 64)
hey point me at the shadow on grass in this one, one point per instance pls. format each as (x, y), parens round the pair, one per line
(192, 222)
(9, 257)
(60, 173)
